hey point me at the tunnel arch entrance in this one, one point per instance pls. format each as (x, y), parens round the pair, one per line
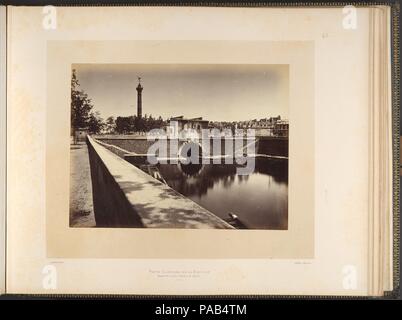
(190, 153)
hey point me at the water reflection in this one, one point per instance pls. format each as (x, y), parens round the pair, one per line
(260, 199)
(190, 169)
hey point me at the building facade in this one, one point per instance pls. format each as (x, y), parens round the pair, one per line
(186, 128)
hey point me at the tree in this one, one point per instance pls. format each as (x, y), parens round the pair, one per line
(124, 124)
(95, 123)
(81, 105)
(136, 124)
(82, 114)
(110, 125)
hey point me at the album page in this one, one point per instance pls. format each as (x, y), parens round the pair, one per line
(188, 150)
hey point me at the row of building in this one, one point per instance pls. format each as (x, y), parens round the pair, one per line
(273, 126)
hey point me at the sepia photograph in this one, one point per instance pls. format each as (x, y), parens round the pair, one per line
(179, 146)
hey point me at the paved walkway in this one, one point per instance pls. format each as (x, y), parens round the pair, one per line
(81, 204)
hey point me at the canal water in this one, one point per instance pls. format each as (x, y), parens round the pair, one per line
(259, 200)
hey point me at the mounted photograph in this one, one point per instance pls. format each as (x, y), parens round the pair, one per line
(197, 146)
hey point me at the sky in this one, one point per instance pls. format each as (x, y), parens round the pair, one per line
(224, 92)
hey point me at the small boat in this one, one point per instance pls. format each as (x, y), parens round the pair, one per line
(235, 221)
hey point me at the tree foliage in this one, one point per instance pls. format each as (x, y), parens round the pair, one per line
(82, 114)
(110, 125)
(134, 124)
(95, 123)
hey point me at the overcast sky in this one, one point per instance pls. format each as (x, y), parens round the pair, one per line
(214, 92)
